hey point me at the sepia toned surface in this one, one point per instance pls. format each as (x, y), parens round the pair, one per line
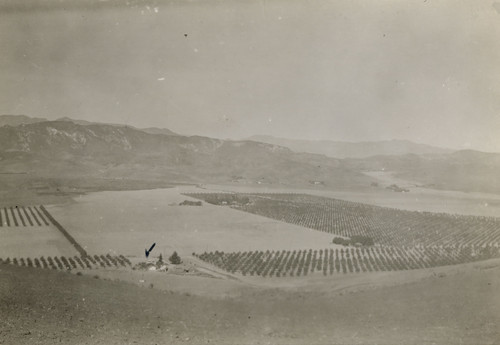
(249, 172)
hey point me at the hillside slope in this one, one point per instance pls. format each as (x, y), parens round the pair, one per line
(47, 307)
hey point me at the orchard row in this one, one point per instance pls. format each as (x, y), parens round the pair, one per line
(69, 263)
(345, 260)
(22, 216)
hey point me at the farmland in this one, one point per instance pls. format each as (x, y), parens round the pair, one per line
(387, 226)
(26, 231)
(64, 263)
(345, 260)
(418, 199)
(405, 239)
(252, 234)
(32, 237)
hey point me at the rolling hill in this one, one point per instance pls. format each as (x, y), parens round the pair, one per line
(465, 170)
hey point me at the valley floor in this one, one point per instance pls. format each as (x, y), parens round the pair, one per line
(444, 305)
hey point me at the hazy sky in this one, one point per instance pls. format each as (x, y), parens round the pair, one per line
(427, 71)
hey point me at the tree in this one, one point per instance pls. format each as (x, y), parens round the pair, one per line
(159, 263)
(175, 259)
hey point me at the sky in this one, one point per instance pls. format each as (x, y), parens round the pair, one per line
(426, 71)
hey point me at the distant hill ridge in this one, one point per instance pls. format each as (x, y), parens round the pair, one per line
(17, 120)
(339, 149)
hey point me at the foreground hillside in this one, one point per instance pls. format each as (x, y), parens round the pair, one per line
(47, 307)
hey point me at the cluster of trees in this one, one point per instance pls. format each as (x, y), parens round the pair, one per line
(348, 260)
(222, 198)
(190, 203)
(396, 188)
(356, 240)
(174, 259)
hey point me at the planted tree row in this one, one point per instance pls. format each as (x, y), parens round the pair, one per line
(65, 233)
(345, 260)
(386, 226)
(70, 263)
(22, 216)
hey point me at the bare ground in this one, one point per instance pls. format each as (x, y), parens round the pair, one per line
(460, 306)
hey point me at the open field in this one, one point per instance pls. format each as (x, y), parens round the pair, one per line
(127, 222)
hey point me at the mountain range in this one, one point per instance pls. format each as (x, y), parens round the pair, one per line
(68, 153)
(65, 149)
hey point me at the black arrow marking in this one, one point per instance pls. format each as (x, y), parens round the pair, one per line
(150, 249)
